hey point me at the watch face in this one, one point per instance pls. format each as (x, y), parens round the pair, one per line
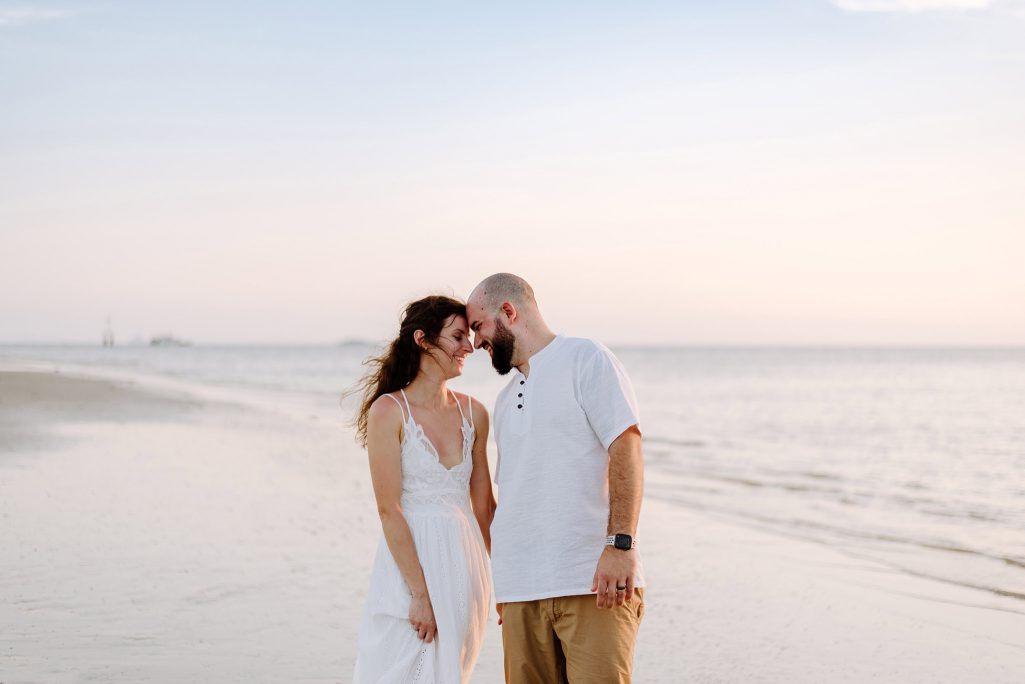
(624, 542)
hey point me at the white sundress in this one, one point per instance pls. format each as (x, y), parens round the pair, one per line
(436, 505)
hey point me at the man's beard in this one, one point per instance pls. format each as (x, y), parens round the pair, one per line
(502, 345)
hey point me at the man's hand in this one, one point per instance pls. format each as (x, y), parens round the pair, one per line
(616, 568)
(498, 607)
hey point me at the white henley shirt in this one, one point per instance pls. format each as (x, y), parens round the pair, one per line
(553, 430)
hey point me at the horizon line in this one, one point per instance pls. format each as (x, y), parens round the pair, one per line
(621, 345)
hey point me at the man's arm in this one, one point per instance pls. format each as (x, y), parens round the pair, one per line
(617, 567)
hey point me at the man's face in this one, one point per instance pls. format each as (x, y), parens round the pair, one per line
(490, 334)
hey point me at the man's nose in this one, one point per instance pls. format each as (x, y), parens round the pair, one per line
(477, 341)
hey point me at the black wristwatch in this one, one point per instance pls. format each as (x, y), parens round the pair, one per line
(623, 542)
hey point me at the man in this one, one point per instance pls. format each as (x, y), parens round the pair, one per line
(567, 576)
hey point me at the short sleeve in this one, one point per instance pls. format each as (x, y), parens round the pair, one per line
(607, 396)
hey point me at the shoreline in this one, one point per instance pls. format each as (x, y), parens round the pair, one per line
(160, 537)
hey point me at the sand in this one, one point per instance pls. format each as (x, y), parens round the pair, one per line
(155, 535)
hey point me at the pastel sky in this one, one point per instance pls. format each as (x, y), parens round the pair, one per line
(771, 172)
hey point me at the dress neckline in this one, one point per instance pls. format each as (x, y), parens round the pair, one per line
(426, 441)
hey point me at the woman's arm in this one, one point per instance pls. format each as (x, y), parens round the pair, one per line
(384, 439)
(481, 494)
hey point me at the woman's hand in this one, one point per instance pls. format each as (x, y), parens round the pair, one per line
(421, 616)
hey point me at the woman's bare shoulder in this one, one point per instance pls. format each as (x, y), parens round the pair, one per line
(386, 408)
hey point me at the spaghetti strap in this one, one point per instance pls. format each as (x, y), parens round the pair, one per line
(459, 406)
(397, 402)
(469, 408)
(408, 409)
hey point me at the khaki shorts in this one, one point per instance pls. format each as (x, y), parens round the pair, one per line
(570, 639)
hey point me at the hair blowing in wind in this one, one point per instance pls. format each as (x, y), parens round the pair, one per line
(398, 365)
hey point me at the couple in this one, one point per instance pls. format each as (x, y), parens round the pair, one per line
(567, 577)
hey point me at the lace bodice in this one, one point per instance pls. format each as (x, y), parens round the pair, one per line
(424, 479)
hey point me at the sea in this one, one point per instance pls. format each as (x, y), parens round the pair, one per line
(912, 458)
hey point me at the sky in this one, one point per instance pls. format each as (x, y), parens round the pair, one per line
(810, 172)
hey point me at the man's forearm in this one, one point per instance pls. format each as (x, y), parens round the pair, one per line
(626, 482)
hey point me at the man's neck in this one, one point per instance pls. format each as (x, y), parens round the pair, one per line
(532, 344)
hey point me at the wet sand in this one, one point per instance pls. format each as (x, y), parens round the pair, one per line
(153, 536)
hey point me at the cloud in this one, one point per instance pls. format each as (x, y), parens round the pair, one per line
(911, 6)
(19, 16)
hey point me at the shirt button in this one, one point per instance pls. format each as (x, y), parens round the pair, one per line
(519, 406)
(522, 381)
(520, 394)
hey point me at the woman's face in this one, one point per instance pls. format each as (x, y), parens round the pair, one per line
(453, 346)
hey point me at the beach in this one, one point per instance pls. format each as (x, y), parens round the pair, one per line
(154, 532)
(797, 226)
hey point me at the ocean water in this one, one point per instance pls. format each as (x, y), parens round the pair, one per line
(914, 458)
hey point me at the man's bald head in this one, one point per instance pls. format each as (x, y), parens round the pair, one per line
(505, 320)
(500, 288)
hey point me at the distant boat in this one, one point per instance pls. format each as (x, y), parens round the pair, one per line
(168, 341)
(108, 334)
(354, 342)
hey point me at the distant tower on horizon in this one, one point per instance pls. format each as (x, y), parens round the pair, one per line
(108, 334)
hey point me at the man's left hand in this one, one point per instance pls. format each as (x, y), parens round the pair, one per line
(616, 568)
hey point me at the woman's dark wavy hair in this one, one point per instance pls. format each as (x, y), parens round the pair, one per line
(400, 363)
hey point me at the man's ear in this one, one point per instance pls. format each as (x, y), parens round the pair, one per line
(510, 311)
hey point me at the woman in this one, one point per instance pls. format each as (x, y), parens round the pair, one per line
(430, 588)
